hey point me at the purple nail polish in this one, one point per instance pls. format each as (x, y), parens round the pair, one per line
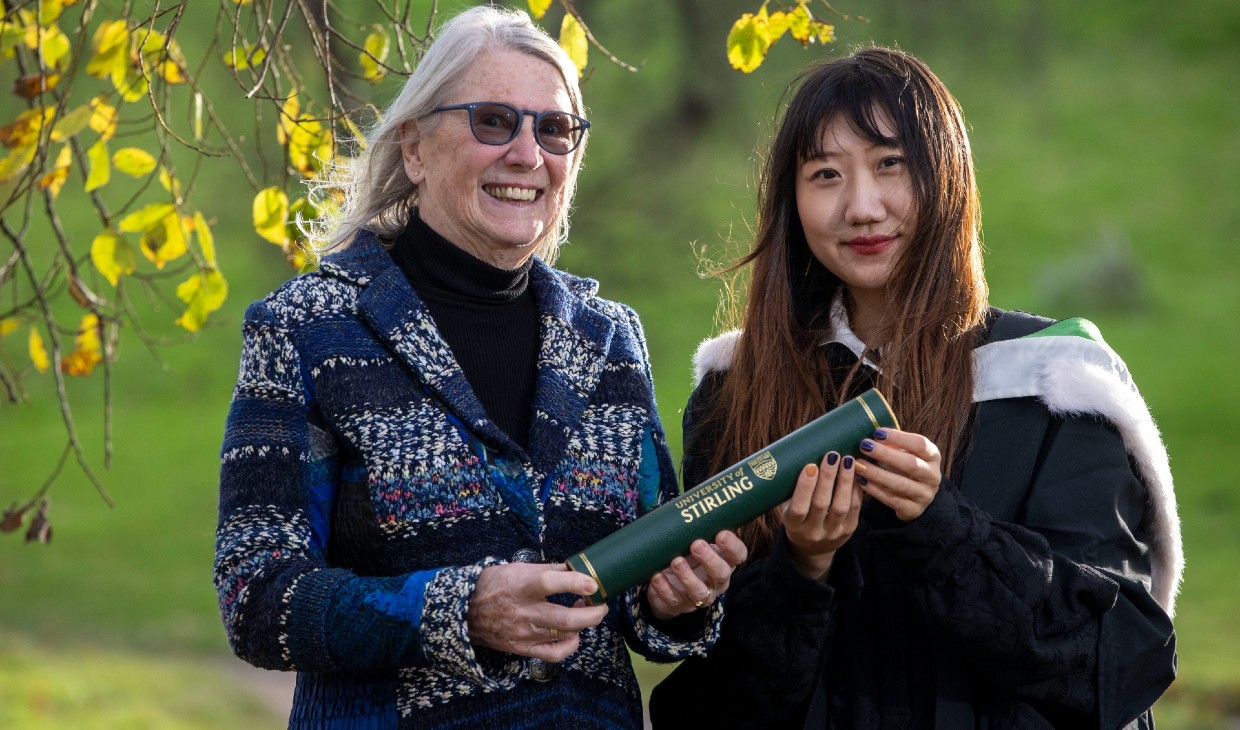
(880, 434)
(862, 480)
(848, 462)
(832, 457)
(867, 445)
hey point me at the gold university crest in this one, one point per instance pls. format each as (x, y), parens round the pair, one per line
(764, 465)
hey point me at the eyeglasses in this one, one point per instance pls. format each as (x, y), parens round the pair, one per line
(496, 123)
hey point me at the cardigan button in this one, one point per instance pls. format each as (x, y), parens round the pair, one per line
(541, 671)
(526, 555)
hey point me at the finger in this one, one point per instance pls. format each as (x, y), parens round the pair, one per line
(824, 489)
(555, 652)
(803, 493)
(691, 586)
(559, 578)
(731, 548)
(547, 615)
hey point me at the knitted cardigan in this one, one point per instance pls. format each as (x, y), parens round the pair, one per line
(350, 402)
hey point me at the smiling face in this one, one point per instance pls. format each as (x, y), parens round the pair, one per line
(857, 207)
(495, 201)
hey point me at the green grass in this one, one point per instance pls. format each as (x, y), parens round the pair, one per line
(1116, 123)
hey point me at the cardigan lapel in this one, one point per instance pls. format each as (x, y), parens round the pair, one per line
(398, 318)
(576, 340)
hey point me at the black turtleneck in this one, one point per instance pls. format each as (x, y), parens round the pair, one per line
(487, 315)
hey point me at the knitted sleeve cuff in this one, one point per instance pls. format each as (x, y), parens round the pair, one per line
(655, 643)
(446, 632)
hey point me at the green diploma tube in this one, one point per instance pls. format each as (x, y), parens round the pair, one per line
(729, 499)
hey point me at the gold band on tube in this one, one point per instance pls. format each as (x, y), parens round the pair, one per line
(586, 561)
(868, 412)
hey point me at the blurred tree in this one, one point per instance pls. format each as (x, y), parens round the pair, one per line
(115, 119)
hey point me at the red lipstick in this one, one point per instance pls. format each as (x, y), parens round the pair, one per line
(870, 245)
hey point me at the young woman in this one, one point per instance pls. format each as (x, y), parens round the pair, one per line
(1010, 558)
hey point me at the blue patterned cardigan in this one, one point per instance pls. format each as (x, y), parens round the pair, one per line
(348, 397)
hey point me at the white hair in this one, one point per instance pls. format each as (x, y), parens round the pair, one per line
(378, 195)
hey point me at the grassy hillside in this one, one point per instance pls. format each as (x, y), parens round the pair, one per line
(1109, 167)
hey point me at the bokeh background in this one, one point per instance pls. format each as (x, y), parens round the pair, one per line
(1108, 154)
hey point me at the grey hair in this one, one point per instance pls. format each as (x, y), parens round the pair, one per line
(377, 193)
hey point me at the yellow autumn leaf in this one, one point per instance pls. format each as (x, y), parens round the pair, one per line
(289, 112)
(203, 293)
(146, 218)
(748, 42)
(309, 146)
(374, 53)
(55, 180)
(38, 353)
(206, 240)
(51, 44)
(129, 82)
(11, 36)
(15, 163)
(777, 24)
(800, 24)
(111, 49)
(25, 130)
(8, 325)
(100, 171)
(573, 41)
(103, 117)
(169, 182)
(88, 348)
(538, 8)
(113, 256)
(72, 123)
(133, 161)
(270, 212)
(164, 241)
(244, 57)
(49, 11)
(826, 32)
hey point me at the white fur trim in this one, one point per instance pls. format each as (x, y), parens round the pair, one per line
(1072, 387)
(714, 354)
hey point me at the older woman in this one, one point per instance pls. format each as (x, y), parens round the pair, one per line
(424, 429)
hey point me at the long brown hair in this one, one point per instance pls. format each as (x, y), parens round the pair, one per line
(936, 296)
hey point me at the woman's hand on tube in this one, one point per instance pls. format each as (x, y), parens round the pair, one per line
(509, 610)
(905, 471)
(695, 580)
(822, 513)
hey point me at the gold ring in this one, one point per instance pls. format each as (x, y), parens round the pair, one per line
(555, 635)
(699, 604)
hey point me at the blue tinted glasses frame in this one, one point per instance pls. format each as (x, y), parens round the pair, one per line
(497, 123)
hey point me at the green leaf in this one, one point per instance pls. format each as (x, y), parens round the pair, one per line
(374, 54)
(574, 42)
(72, 123)
(748, 42)
(133, 161)
(100, 170)
(113, 256)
